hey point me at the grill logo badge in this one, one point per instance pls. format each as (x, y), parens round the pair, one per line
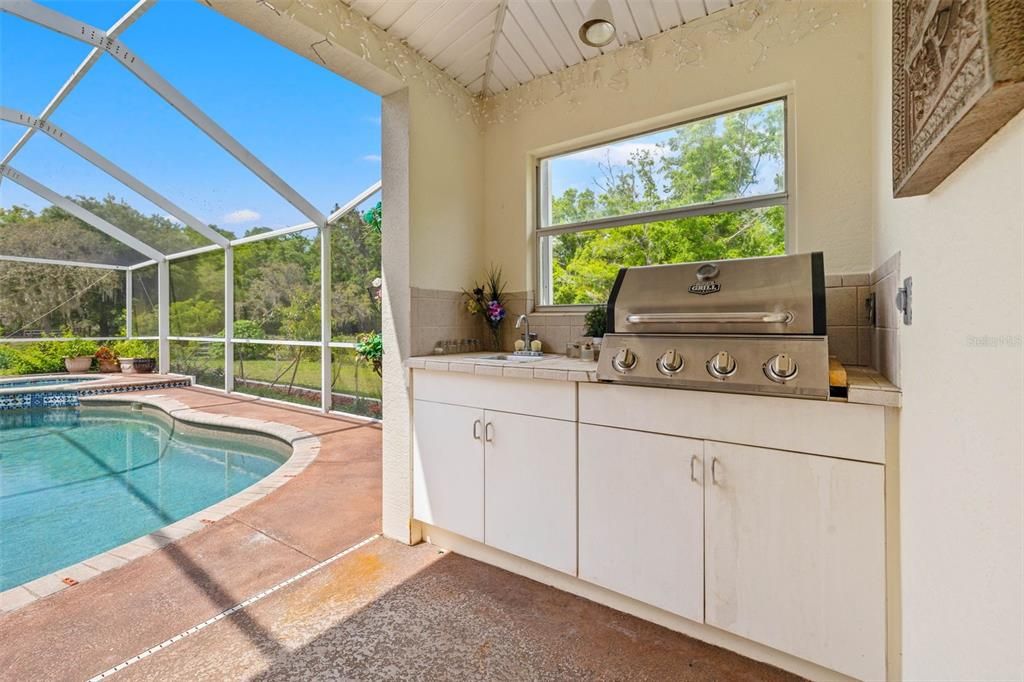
(705, 288)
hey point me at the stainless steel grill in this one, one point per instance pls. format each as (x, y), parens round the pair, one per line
(754, 325)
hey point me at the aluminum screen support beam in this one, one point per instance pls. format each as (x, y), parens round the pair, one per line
(63, 263)
(229, 319)
(163, 308)
(128, 295)
(326, 376)
(81, 213)
(113, 170)
(61, 23)
(94, 55)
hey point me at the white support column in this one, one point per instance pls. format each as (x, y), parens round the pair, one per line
(128, 303)
(229, 319)
(326, 397)
(163, 270)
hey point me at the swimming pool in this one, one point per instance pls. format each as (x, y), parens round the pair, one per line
(45, 381)
(77, 482)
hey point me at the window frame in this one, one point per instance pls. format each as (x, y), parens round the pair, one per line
(542, 255)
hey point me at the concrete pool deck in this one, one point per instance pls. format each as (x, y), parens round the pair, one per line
(381, 610)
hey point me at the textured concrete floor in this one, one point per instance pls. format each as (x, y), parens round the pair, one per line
(386, 611)
(391, 612)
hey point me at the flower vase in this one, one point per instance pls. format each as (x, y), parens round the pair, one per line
(495, 339)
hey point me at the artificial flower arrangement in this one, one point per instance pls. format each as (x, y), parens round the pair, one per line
(488, 301)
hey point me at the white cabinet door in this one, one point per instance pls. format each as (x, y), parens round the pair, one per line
(641, 528)
(448, 467)
(796, 554)
(530, 473)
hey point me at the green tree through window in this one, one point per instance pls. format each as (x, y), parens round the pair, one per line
(736, 156)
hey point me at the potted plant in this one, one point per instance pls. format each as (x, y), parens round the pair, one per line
(135, 356)
(78, 354)
(106, 359)
(596, 323)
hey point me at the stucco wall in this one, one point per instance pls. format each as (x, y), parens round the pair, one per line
(828, 73)
(962, 422)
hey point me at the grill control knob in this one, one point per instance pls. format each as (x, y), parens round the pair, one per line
(670, 362)
(624, 361)
(722, 365)
(780, 368)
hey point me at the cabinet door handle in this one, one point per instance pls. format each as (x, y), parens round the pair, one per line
(476, 430)
(714, 470)
(489, 432)
(693, 476)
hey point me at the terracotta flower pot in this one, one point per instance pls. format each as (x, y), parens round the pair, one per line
(108, 366)
(78, 365)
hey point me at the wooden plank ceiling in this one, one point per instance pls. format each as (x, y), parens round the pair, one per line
(490, 46)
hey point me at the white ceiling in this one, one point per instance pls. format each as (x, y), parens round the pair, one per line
(493, 45)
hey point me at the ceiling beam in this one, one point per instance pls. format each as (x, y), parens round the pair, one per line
(499, 21)
(119, 27)
(81, 213)
(61, 23)
(113, 170)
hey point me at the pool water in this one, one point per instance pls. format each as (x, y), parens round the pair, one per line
(49, 381)
(77, 482)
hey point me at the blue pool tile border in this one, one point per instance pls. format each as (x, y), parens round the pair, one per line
(70, 398)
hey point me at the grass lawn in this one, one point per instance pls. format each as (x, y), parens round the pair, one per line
(350, 377)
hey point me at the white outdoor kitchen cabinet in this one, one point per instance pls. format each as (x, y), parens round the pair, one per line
(497, 475)
(780, 539)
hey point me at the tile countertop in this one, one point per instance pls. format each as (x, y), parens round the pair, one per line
(866, 386)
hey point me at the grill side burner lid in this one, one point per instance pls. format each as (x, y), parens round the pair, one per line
(764, 296)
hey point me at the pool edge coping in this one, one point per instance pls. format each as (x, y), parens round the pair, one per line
(305, 448)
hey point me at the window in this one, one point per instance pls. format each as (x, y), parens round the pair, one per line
(709, 189)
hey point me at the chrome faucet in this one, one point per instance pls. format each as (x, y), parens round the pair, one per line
(526, 334)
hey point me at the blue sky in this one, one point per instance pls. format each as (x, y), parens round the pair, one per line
(316, 130)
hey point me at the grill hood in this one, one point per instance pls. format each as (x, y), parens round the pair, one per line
(763, 296)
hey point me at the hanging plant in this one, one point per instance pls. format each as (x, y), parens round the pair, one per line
(370, 348)
(373, 218)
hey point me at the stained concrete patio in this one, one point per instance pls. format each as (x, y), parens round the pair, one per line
(384, 611)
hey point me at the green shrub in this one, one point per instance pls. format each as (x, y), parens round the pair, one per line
(34, 358)
(135, 348)
(76, 348)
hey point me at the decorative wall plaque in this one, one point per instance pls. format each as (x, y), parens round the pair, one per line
(957, 77)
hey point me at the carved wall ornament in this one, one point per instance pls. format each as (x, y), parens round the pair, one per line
(957, 77)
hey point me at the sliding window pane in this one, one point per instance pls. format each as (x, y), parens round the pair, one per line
(583, 265)
(740, 154)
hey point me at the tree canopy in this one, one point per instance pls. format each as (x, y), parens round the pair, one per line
(709, 160)
(277, 281)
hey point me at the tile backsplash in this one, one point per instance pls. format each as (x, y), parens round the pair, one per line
(438, 315)
(885, 283)
(848, 318)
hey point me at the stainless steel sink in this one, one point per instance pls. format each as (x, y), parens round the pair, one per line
(508, 357)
